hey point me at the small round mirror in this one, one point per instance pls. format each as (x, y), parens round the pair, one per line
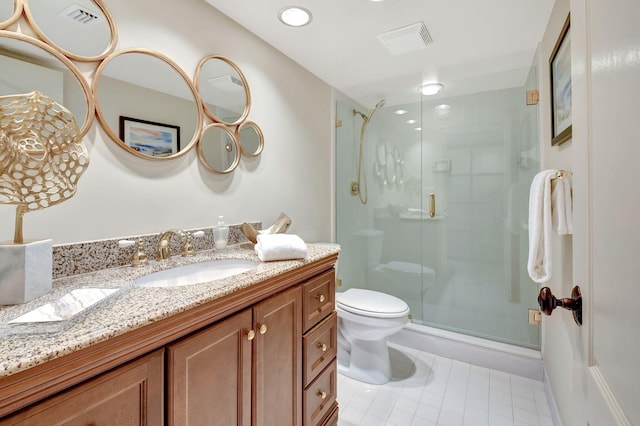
(218, 149)
(30, 65)
(251, 138)
(390, 169)
(10, 11)
(223, 89)
(82, 29)
(381, 154)
(147, 104)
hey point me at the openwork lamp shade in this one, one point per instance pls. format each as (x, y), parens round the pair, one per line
(41, 154)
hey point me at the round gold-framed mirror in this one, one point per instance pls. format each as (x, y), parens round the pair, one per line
(224, 90)
(218, 149)
(250, 138)
(10, 11)
(29, 64)
(83, 30)
(147, 104)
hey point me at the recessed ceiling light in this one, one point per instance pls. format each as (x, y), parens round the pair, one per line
(417, 128)
(400, 111)
(443, 107)
(431, 88)
(412, 121)
(295, 16)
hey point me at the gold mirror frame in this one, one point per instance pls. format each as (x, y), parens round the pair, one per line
(112, 28)
(259, 134)
(105, 125)
(90, 101)
(17, 11)
(232, 136)
(245, 85)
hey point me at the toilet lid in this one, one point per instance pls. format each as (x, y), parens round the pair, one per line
(371, 303)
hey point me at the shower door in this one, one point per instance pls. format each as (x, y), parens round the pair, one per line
(445, 223)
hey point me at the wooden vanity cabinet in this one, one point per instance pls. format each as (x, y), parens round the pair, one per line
(246, 365)
(239, 361)
(128, 395)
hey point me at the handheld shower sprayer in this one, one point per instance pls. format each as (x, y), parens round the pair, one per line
(361, 184)
(366, 118)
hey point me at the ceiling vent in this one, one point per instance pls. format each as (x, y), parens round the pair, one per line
(81, 14)
(406, 39)
(226, 82)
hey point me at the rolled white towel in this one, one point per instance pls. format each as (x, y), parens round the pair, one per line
(280, 247)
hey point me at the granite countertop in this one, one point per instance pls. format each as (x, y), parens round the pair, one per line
(130, 307)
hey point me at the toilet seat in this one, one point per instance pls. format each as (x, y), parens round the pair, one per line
(371, 303)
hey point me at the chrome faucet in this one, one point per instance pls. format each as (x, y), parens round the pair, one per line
(164, 247)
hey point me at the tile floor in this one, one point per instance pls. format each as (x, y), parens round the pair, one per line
(429, 390)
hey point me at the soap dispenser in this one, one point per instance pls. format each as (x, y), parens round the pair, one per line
(220, 234)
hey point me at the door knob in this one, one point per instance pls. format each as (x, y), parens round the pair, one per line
(548, 302)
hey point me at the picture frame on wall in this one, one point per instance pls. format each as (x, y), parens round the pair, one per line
(560, 76)
(149, 137)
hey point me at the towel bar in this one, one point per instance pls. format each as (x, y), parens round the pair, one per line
(561, 174)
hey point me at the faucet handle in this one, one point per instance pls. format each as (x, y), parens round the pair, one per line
(139, 257)
(187, 248)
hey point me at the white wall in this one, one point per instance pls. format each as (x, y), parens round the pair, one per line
(121, 194)
(558, 330)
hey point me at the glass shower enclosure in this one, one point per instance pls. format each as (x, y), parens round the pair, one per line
(432, 207)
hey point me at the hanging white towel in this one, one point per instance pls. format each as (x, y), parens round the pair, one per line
(562, 206)
(540, 227)
(280, 247)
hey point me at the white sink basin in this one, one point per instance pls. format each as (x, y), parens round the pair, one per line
(196, 273)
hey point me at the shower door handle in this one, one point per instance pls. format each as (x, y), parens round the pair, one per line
(432, 205)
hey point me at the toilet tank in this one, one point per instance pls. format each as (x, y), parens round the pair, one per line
(368, 243)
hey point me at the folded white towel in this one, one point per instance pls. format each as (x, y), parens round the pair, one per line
(539, 263)
(280, 247)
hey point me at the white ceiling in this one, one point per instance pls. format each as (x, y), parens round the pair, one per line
(477, 44)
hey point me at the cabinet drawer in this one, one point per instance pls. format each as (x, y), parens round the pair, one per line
(318, 297)
(332, 418)
(320, 395)
(320, 347)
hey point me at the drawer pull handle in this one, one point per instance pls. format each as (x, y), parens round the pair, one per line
(263, 328)
(250, 334)
(321, 298)
(323, 347)
(322, 394)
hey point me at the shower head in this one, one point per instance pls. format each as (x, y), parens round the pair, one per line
(366, 118)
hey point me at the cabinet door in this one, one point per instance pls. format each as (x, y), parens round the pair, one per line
(209, 375)
(278, 360)
(126, 396)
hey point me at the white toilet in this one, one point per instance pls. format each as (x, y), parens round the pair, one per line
(366, 318)
(405, 280)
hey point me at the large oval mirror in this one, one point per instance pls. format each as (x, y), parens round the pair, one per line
(28, 65)
(147, 104)
(218, 149)
(224, 90)
(82, 29)
(10, 11)
(250, 138)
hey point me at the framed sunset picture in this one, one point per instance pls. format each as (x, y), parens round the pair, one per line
(149, 137)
